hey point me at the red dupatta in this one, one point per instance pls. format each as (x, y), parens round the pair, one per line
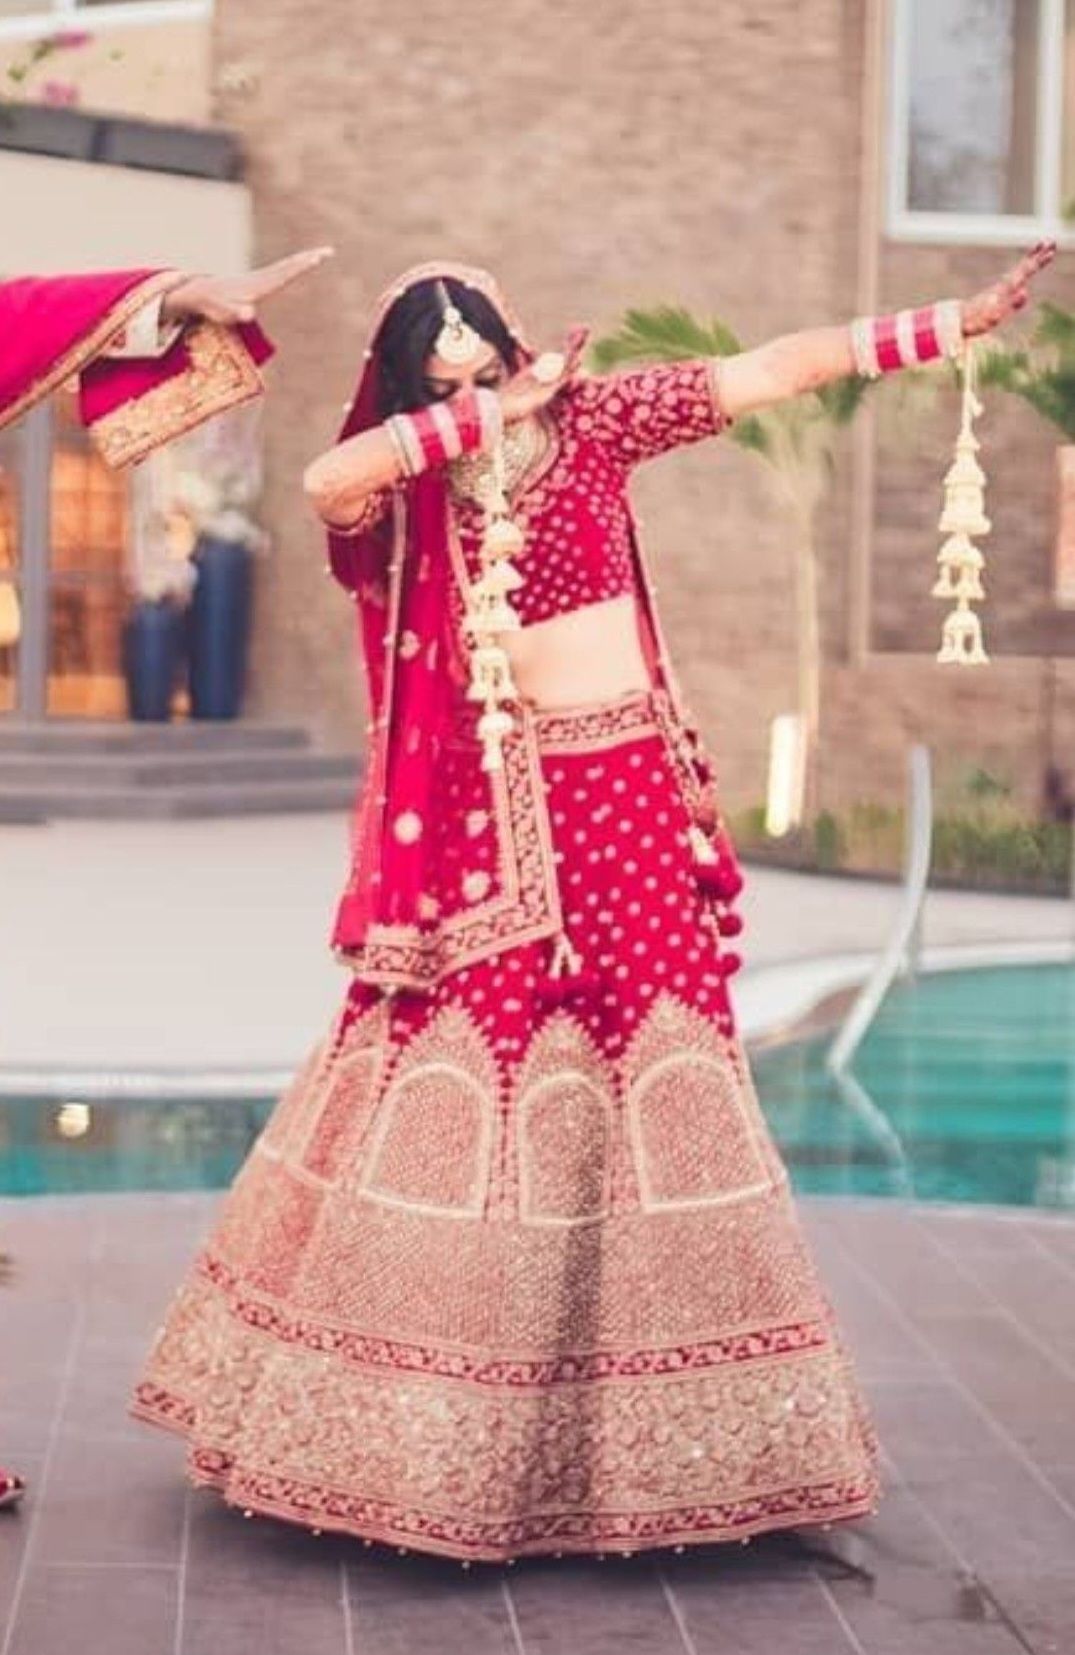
(402, 574)
(402, 579)
(54, 327)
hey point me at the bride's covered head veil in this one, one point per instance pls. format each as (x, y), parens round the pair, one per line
(401, 575)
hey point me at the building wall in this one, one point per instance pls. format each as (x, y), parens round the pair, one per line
(597, 156)
(593, 159)
(156, 69)
(76, 215)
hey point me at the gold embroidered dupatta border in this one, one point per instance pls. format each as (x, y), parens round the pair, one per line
(526, 907)
(91, 344)
(220, 374)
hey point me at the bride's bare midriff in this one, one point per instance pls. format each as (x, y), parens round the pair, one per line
(592, 654)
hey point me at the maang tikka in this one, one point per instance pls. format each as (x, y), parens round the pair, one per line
(457, 342)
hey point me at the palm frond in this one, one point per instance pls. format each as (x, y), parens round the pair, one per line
(1056, 328)
(841, 400)
(753, 433)
(667, 333)
(1003, 369)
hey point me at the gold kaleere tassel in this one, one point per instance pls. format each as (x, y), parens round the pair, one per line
(489, 612)
(962, 520)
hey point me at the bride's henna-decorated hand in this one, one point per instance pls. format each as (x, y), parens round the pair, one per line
(543, 380)
(997, 304)
(231, 299)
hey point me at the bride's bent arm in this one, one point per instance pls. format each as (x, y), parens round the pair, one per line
(340, 483)
(806, 361)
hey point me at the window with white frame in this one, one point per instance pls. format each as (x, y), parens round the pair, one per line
(983, 119)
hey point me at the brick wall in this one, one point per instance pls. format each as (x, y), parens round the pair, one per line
(596, 155)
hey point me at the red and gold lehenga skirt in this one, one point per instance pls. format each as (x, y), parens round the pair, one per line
(501, 1277)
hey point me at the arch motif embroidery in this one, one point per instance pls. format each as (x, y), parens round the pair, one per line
(693, 1136)
(566, 1128)
(430, 1148)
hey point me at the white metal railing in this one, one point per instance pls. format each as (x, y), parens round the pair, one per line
(856, 1099)
(902, 952)
(31, 21)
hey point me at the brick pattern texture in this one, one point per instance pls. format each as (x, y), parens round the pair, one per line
(601, 155)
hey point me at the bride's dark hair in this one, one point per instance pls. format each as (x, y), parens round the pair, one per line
(410, 330)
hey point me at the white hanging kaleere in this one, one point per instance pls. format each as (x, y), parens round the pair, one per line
(963, 520)
(489, 613)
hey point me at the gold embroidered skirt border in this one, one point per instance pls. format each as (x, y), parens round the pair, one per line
(500, 1279)
(551, 1330)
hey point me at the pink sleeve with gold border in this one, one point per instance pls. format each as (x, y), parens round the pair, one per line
(643, 412)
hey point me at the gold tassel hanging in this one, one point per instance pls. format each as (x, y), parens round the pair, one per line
(489, 613)
(962, 521)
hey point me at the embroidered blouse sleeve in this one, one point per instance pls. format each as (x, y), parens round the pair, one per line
(643, 412)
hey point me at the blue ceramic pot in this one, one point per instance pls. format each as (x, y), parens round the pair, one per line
(152, 653)
(218, 628)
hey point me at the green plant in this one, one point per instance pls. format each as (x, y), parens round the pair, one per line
(982, 785)
(830, 841)
(988, 846)
(797, 441)
(1041, 373)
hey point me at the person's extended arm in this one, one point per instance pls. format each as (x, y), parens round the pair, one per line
(798, 362)
(226, 300)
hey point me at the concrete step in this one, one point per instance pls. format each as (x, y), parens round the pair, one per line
(56, 772)
(56, 736)
(42, 804)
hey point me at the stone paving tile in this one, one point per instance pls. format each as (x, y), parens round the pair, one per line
(913, 1594)
(1022, 1281)
(96, 1612)
(37, 1338)
(1018, 1540)
(582, 1606)
(15, 1528)
(930, 1418)
(967, 1396)
(420, 1606)
(990, 1358)
(259, 1588)
(111, 1501)
(881, 1345)
(747, 1600)
(1056, 1239)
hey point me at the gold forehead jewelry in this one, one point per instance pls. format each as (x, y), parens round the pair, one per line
(457, 342)
(548, 367)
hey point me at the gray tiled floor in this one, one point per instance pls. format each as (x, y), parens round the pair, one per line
(964, 1329)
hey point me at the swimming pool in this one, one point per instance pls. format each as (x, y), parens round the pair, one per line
(964, 1090)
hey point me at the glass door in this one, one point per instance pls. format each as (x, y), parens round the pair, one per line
(90, 525)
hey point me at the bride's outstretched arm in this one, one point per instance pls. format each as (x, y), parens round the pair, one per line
(798, 362)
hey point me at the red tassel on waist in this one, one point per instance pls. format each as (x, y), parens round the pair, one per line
(567, 976)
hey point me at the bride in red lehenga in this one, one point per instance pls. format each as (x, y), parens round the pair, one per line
(513, 1267)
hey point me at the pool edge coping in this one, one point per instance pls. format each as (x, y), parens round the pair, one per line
(835, 978)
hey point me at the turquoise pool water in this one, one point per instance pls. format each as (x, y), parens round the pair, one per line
(963, 1091)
